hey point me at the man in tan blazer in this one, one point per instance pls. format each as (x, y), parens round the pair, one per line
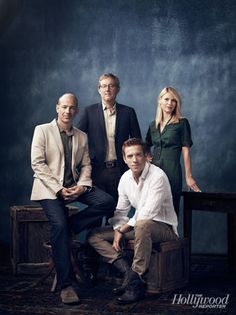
(62, 169)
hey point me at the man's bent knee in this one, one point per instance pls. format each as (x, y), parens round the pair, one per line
(143, 225)
(93, 235)
(99, 234)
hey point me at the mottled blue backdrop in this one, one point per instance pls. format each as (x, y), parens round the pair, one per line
(48, 47)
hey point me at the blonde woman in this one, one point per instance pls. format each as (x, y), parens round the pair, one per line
(170, 134)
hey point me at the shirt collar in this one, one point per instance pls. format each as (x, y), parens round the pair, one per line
(144, 172)
(68, 133)
(113, 107)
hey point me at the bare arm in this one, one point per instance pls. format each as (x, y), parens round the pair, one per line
(191, 183)
(118, 236)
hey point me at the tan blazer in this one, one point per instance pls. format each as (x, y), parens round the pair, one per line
(47, 159)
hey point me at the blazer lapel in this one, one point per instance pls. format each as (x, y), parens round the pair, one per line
(101, 119)
(57, 136)
(75, 149)
(118, 114)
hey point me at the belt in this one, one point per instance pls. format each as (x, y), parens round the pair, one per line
(110, 164)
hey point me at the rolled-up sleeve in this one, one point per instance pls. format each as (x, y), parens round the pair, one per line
(186, 139)
(122, 209)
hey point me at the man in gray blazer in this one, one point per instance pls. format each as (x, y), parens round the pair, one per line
(61, 165)
(108, 124)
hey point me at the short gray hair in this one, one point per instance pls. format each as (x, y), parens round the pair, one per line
(109, 75)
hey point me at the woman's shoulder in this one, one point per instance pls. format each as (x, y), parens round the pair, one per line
(183, 121)
(184, 125)
(152, 124)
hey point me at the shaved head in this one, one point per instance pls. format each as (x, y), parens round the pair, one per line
(68, 97)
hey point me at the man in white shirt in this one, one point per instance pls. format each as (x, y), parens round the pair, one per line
(146, 188)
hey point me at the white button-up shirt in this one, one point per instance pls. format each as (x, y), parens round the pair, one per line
(151, 198)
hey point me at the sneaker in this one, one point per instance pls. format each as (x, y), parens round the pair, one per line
(69, 296)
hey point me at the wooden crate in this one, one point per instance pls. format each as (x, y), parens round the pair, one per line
(169, 266)
(30, 228)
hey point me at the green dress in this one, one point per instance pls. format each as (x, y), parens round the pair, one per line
(167, 152)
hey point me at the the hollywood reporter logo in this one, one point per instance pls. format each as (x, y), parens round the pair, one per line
(200, 301)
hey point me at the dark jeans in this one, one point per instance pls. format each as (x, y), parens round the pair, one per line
(99, 203)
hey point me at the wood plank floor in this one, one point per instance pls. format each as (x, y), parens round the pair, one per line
(209, 278)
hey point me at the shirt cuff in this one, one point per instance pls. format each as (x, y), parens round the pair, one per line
(117, 222)
(87, 189)
(58, 194)
(131, 222)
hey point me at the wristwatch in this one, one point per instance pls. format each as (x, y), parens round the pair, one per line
(119, 230)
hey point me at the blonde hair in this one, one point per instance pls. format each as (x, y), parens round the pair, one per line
(176, 115)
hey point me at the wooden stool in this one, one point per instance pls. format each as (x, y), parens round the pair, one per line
(169, 265)
(29, 229)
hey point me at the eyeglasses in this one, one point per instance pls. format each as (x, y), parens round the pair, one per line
(110, 86)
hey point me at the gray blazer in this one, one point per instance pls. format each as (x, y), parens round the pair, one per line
(47, 159)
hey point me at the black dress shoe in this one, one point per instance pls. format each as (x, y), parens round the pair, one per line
(119, 290)
(135, 290)
(130, 297)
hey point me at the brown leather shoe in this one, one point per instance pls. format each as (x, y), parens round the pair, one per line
(69, 296)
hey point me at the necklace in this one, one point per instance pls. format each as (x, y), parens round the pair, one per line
(165, 122)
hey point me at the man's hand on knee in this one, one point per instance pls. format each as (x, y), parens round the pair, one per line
(116, 241)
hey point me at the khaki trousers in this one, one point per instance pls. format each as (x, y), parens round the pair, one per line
(144, 234)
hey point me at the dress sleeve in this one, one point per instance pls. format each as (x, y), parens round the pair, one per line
(186, 138)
